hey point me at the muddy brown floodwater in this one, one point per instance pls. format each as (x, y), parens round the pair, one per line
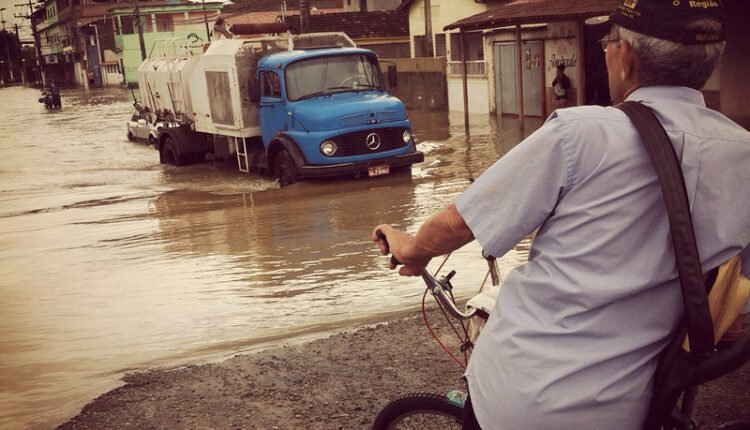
(112, 263)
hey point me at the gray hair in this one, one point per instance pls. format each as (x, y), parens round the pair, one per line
(663, 62)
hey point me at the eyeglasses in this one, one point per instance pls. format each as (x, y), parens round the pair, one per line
(606, 40)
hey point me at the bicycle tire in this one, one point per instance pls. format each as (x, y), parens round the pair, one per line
(419, 411)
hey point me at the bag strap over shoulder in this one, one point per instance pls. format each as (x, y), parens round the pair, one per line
(669, 173)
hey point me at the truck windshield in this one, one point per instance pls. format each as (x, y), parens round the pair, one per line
(328, 75)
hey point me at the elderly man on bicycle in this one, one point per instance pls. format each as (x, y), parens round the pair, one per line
(575, 335)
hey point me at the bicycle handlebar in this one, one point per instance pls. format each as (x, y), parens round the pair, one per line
(382, 237)
(440, 289)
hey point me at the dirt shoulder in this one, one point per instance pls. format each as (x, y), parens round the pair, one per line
(340, 382)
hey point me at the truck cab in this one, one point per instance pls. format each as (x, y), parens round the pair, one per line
(295, 106)
(325, 112)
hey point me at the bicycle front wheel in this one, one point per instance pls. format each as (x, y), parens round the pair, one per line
(419, 411)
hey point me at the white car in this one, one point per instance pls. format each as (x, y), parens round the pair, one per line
(141, 129)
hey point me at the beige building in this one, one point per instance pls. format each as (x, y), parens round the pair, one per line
(508, 39)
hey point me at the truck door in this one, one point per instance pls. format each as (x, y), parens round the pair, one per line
(271, 112)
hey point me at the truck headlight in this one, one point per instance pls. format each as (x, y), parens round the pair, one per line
(328, 148)
(407, 136)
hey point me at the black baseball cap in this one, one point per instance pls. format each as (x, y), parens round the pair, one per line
(668, 19)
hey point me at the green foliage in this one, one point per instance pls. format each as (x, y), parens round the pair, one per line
(9, 40)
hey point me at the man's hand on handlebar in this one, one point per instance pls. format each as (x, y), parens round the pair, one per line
(441, 234)
(400, 245)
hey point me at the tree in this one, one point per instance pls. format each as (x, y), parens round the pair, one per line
(10, 55)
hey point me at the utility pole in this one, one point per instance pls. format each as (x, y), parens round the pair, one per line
(427, 29)
(36, 42)
(140, 30)
(7, 50)
(205, 20)
(304, 17)
(99, 52)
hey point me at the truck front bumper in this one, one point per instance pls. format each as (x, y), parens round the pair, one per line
(341, 169)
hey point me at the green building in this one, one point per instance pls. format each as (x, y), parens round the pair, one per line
(158, 21)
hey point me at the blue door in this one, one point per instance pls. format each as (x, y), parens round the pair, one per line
(271, 109)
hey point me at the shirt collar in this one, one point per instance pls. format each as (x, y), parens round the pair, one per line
(674, 93)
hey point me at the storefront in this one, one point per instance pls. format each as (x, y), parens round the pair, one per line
(523, 47)
(530, 39)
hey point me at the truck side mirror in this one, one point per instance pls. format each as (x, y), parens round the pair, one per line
(392, 76)
(253, 90)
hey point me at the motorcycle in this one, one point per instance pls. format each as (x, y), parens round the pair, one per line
(49, 100)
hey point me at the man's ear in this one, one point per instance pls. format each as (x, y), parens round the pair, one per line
(629, 61)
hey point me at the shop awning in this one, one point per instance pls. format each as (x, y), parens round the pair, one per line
(518, 12)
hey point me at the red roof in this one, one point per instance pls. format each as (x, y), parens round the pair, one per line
(360, 25)
(238, 16)
(534, 11)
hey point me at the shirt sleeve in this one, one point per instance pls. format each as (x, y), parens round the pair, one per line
(745, 256)
(519, 192)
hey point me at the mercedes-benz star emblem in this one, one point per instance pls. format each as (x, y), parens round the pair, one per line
(373, 141)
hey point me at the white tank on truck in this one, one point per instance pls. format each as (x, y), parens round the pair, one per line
(292, 106)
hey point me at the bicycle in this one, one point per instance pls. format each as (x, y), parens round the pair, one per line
(424, 410)
(431, 410)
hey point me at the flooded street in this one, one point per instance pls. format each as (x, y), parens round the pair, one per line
(111, 262)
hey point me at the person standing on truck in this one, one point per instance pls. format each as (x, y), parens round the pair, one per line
(576, 333)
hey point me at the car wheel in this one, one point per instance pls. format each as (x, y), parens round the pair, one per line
(131, 137)
(151, 140)
(284, 169)
(169, 153)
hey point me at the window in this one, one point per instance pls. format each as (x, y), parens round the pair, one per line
(164, 23)
(126, 25)
(270, 85)
(440, 45)
(473, 45)
(419, 48)
(322, 76)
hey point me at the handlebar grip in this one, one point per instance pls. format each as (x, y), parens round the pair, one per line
(382, 237)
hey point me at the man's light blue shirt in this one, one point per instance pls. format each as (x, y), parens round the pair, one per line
(573, 338)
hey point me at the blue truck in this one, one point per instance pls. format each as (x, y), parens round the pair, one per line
(292, 107)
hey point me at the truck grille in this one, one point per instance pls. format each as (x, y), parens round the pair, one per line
(365, 117)
(356, 143)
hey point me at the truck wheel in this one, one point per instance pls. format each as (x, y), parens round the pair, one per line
(169, 153)
(284, 169)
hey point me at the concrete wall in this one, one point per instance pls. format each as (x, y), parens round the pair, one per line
(421, 82)
(478, 90)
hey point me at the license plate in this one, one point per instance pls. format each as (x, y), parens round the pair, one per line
(378, 170)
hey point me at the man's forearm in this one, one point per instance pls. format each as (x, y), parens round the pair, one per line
(442, 233)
